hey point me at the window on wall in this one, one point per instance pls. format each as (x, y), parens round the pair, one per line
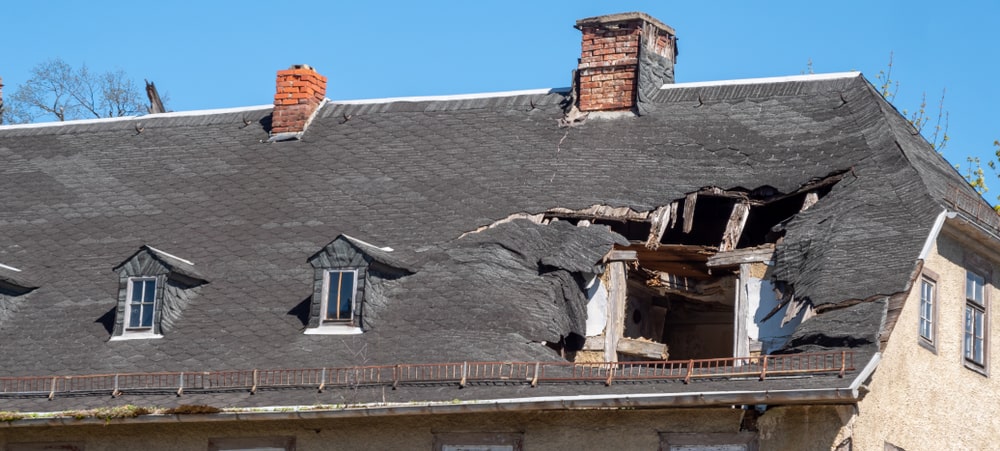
(928, 310)
(742, 441)
(478, 441)
(142, 302)
(252, 444)
(340, 294)
(974, 344)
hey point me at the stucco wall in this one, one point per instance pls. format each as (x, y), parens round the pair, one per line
(595, 429)
(922, 400)
(781, 428)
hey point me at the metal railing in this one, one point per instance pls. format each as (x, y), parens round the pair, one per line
(460, 373)
(974, 206)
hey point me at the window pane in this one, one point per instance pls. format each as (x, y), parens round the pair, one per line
(340, 297)
(136, 290)
(134, 314)
(346, 295)
(149, 293)
(147, 316)
(333, 295)
(926, 309)
(974, 287)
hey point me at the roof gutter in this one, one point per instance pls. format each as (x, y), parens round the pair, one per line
(849, 395)
(935, 230)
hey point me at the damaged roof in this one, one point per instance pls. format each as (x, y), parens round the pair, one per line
(417, 175)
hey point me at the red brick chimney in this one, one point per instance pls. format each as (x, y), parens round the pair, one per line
(299, 93)
(625, 59)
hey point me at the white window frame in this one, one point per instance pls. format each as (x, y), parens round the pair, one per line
(928, 311)
(337, 326)
(129, 303)
(976, 307)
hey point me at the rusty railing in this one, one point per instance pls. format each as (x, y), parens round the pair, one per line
(460, 373)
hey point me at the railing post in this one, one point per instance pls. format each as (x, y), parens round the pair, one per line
(763, 369)
(534, 377)
(322, 379)
(843, 364)
(52, 391)
(395, 376)
(116, 393)
(465, 373)
(253, 390)
(690, 371)
(180, 389)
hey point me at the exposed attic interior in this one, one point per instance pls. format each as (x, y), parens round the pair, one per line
(696, 275)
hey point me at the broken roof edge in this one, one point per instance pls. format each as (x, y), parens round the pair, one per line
(763, 80)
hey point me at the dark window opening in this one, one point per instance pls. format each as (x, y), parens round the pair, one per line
(711, 214)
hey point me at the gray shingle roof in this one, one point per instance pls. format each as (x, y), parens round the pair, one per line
(81, 197)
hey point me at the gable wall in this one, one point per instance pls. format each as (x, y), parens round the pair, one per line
(921, 400)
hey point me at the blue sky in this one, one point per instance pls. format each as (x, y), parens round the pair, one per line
(218, 54)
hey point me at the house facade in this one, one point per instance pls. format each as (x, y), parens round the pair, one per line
(630, 263)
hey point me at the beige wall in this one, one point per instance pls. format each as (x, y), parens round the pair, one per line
(920, 400)
(799, 428)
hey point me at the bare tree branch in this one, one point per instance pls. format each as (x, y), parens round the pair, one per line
(56, 88)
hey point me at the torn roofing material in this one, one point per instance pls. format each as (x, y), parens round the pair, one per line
(82, 197)
(518, 278)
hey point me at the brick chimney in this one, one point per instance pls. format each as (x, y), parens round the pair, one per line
(625, 59)
(299, 93)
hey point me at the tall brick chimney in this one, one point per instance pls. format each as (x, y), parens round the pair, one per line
(625, 58)
(299, 93)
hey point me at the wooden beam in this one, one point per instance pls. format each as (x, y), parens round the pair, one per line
(741, 339)
(764, 253)
(645, 349)
(734, 228)
(617, 284)
(673, 214)
(689, 202)
(810, 200)
(595, 343)
(658, 225)
(622, 255)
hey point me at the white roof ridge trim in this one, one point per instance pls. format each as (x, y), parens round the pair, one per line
(169, 255)
(10, 268)
(763, 80)
(387, 249)
(481, 95)
(105, 120)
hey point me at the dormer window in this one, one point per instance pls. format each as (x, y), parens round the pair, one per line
(153, 289)
(343, 271)
(142, 302)
(13, 284)
(339, 301)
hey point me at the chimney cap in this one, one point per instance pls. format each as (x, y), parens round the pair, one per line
(624, 17)
(300, 66)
